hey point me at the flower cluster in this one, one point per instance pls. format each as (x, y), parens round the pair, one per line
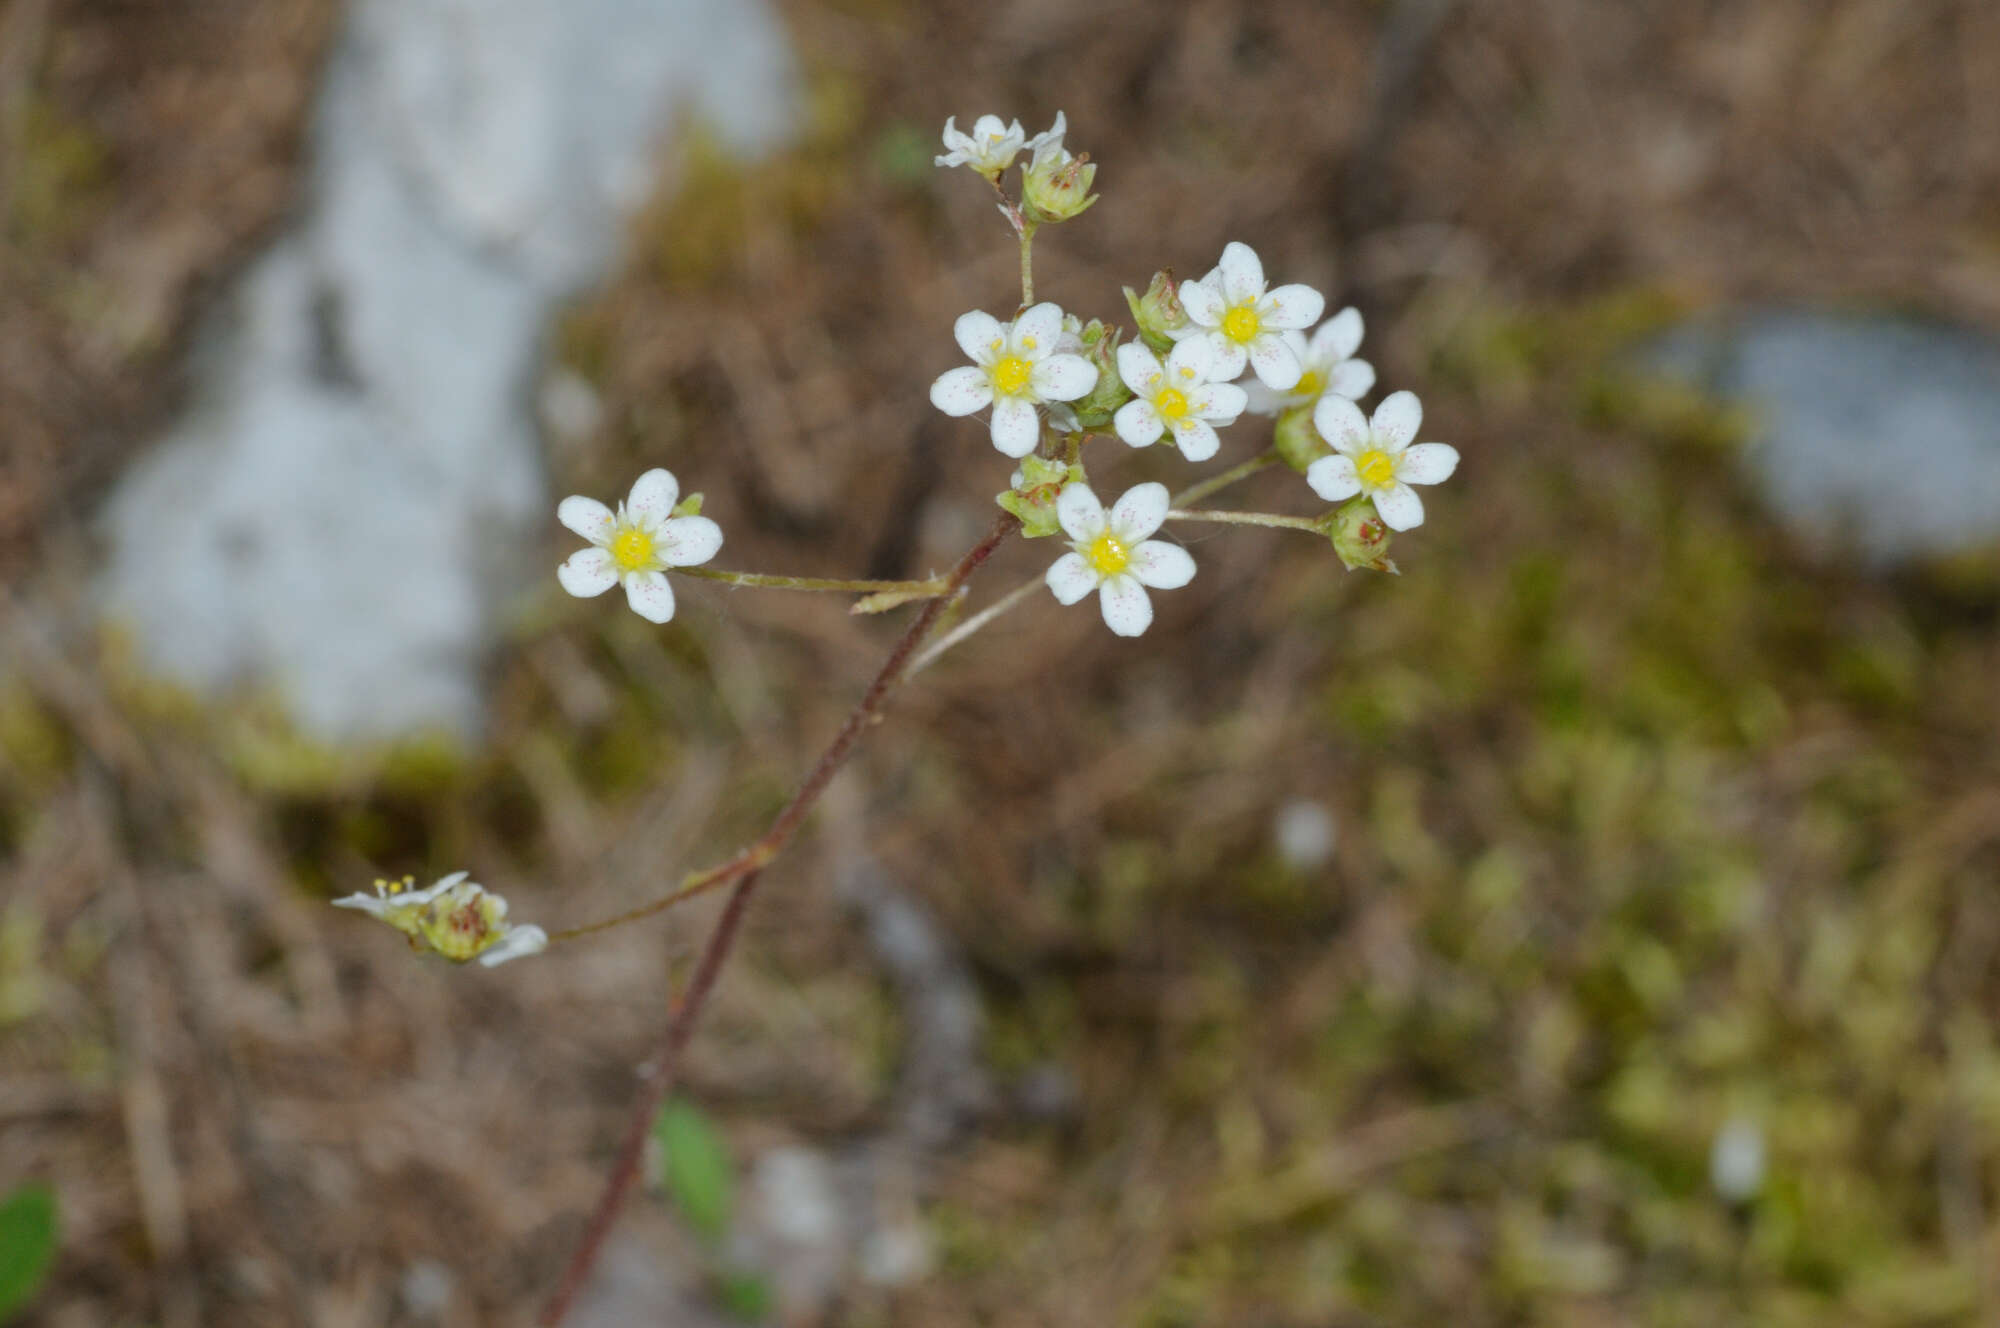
(454, 917)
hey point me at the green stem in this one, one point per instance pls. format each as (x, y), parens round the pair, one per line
(1250, 519)
(1216, 483)
(927, 589)
(1027, 229)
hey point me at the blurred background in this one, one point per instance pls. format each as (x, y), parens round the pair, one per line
(1594, 925)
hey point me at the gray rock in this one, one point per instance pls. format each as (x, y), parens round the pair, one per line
(1878, 435)
(358, 483)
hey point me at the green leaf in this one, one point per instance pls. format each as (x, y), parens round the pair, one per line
(745, 1297)
(699, 1174)
(27, 1244)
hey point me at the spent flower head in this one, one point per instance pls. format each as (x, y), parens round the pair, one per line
(1245, 322)
(1158, 312)
(989, 149)
(1374, 457)
(454, 917)
(1015, 367)
(1112, 555)
(1180, 398)
(635, 545)
(1056, 184)
(1328, 363)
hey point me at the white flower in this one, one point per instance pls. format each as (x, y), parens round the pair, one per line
(1375, 457)
(457, 918)
(1243, 322)
(1327, 358)
(988, 149)
(636, 544)
(1113, 556)
(1182, 397)
(1015, 367)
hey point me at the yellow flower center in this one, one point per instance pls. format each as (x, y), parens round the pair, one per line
(1376, 468)
(632, 549)
(1011, 375)
(1172, 403)
(1310, 384)
(1108, 554)
(1241, 323)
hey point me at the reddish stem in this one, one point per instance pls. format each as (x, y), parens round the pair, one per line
(687, 1012)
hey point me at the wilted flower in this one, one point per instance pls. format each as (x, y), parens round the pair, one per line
(1015, 367)
(458, 918)
(1374, 457)
(1056, 185)
(1243, 321)
(1113, 556)
(636, 544)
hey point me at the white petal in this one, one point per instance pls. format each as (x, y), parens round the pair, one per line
(1138, 423)
(1395, 424)
(1063, 378)
(1427, 463)
(1161, 565)
(1291, 307)
(1230, 357)
(1191, 361)
(649, 595)
(1204, 304)
(652, 498)
(588, 572)
(1339, 336)
(961, 391)
(1139, 512)
(373, 905)
(1127, 611)
(516, 944)
(1341, 423)
(688, 540)
(1016, 429)
(1196, 439)
(1037, 331)
(1071, 577)
(1277, 368)
(1050, 137)
(975, 334)
(1139, 367)
(989, 126)
(1399, 508)
(587, 517)
(1352, 378)
(1079, 512)
(1219, 403)
(1242, 272)
(1334, 478)
(952, 138)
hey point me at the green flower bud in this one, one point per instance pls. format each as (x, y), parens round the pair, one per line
(1360, 537)
(1297, 441)
(1037, 484)
(1057, 186)
(1100, 347)
(1158, 312)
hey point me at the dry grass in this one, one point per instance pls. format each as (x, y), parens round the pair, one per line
(1647, 820)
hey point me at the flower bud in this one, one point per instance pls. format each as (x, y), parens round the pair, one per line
(1099, 345)
(1360, 537)
(1297, 442)
(1158, 312)
(1037, 485)
(1057, 186)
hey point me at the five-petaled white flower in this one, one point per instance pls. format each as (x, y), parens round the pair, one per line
(988, 149)
(1374, 456)
(1114, 557)
(1243, 321)
(458, 918)
(1181, 397)
(1015, 366)
(1329, 363)
(636, 544)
